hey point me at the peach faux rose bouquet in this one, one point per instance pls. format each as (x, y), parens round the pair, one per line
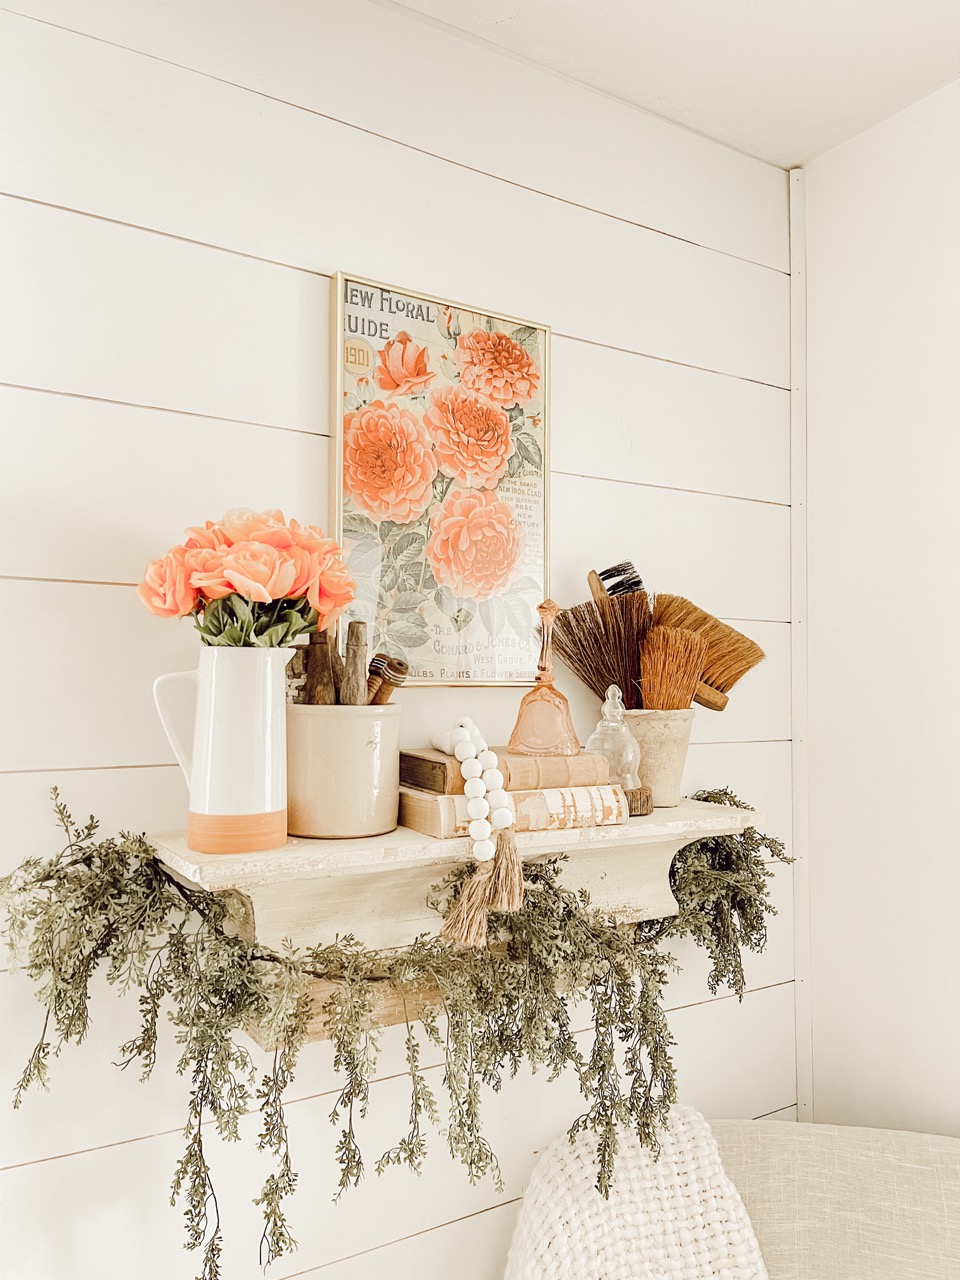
(251, 579)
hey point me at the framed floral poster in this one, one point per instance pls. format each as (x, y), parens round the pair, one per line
(440, 480)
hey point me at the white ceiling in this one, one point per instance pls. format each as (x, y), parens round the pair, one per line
(783, 80)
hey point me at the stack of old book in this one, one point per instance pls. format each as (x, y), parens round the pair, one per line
(547, 793)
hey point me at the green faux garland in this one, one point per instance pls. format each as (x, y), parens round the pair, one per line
(110, 904)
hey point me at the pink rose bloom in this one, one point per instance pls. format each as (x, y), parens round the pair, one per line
(205, 567)
(471, 439)
(493, 365)
(207, 536)
(166, 589)
(388, 463)
(402, 367)
(331, 591)
(475, 543)
(240, 524)
(258, 571)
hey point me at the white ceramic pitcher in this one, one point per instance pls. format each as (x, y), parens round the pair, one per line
(237, 768)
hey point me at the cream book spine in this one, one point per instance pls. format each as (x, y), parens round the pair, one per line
(548, 809)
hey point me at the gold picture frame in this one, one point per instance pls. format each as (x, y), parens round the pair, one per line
(440, 479)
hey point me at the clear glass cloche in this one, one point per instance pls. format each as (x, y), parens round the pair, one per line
(613, 739)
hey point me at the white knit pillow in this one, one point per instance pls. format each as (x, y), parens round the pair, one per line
(675, 1218)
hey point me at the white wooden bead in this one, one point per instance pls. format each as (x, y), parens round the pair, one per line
(493, 778)
(465, 750)
(501, 818)
(441, 742)
(477, 807)
(498, 798)
(484, 850)
(474, 787)
(459, 735)
(479, 829)
(488, 759)
(466, 723)
(470, 769)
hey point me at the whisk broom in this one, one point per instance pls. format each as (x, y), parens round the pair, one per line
(671, 664)
(729, 654)
(600, 642)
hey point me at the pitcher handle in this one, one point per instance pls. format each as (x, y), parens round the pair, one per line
(161, 687)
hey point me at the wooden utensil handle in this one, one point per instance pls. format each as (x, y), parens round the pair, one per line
(318, 690)
(597, 589)
(710, 698)
(353, 686)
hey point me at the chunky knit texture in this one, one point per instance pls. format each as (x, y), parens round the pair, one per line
(678, 1217)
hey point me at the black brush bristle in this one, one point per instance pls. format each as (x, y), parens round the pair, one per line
(621, 579)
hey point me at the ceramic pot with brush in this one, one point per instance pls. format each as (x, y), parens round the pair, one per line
(343, 770)
(663, 738)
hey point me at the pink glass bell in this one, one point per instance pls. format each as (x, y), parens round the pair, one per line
(544, 726)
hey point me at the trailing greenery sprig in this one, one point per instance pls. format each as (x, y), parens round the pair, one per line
(109, 905)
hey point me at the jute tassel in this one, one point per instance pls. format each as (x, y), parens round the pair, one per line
(496, 885)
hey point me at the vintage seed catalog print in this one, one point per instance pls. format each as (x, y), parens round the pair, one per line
(440, 480)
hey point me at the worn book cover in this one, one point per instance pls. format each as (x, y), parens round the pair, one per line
(542, 809)
(431, 770)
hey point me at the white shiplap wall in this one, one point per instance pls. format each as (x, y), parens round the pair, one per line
(179, 181)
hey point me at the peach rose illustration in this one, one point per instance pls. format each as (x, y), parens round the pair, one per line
(471, 439)
(475, 543)
(258, 571)
(495, 366)
(388, 462)
(402, 367)
(166, 589)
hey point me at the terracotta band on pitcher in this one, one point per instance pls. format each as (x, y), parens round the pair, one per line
(236, 832)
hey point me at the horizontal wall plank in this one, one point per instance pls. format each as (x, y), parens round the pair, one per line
(147, 475)
(730, 557)
(138, 799)
(758, 773)
(671, 299)
(473, 1248)
(198, 467)
(110, 311)
(580, 145)
(625, 417)
(117, 649)
(737, 1062)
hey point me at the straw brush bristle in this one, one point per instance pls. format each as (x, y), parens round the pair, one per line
(671, 664)
(729, 655)
(600, 642)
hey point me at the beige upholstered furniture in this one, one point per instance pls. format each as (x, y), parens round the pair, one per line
(832, 1203)
(824, 1203)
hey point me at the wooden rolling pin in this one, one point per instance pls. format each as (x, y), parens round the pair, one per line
(394, 673)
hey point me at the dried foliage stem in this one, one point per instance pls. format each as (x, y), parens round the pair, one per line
(109, 905)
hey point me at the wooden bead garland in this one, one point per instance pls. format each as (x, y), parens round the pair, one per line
(488, 805)
(497, 883)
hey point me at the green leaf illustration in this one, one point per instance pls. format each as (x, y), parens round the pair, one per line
(409, 548)
(358, 526)
(410, 632)
(529, 339)
(408, 601)
(528, 449)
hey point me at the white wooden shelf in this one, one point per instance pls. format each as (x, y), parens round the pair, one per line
(309, 891)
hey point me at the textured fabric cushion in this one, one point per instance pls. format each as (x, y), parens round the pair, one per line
(832, 1203)
(676, 1218)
